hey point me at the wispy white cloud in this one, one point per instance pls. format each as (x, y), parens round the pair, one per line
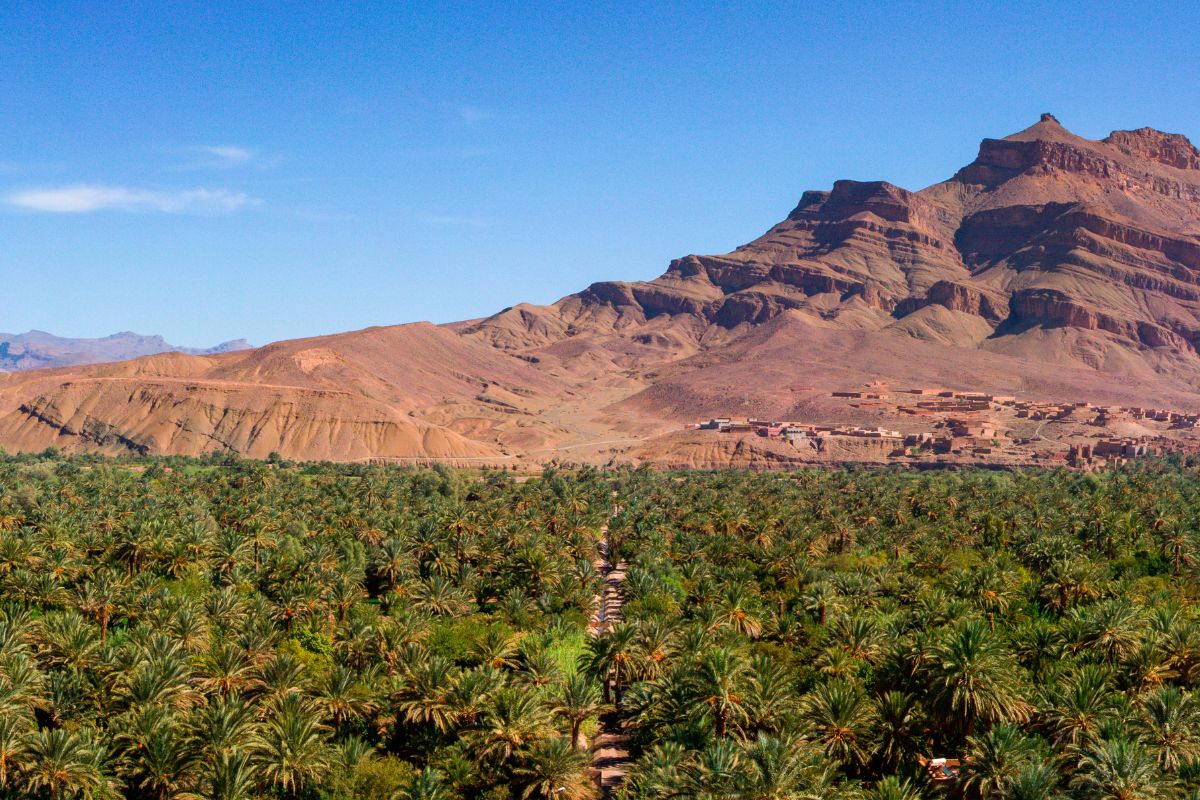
(472, 114)
(449, 220)
(85, 198)
(227, 155)
(224, 156)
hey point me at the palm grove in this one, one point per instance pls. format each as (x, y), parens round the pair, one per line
(182, 629)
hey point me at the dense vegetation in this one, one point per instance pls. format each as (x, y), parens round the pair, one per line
(246, 630)
(241, 631)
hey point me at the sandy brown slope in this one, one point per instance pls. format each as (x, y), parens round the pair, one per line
(348, 396)
(787, 368)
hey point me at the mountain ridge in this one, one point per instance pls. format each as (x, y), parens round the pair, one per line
(1051, 263)
(37, 349)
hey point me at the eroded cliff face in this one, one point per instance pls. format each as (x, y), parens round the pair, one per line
(1043, 230)
(356, 396)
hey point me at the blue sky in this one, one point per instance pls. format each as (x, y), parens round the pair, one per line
(273, 170)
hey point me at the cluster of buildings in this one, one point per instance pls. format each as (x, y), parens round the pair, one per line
(1107, 453)
(1111, 415)
(815, 437)
(960, 425)
(772, 429)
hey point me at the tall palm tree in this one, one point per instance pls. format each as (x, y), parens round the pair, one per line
(99, 598)
(424, 694)
(1169, 726)
(1037, 780)
(783, 768)
(513, 722)
(840, 717)
(895, 788)
(224, 725)
(974, 679)
(612, 658)
(575, 702)
(343, 697)
(994, 759)
(225, 670)
(715, 772)
(554, 769)
(15, 727)
(1078, 710)
(64, 763)
(230, 776)
(720, 688)
(290, 752)
(1119, 769)
(427, 784)
(897, 716)
(161, 764)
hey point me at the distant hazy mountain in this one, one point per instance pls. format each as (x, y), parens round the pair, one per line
(39, 350)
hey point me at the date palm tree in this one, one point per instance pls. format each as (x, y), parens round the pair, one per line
(1169, 726)
(513, 722)
(895, 788)
(553, 769)
(974, 679)
(1037, 780)
(1078, 710)
(575, 702)
(225, 670)
(1119, 769)
(993, 761)
(783, 768)
(898, 724)
(223, 726)
(840, 717)
(424, 694)
(720, 689)
(343, 696)
(427, 784)
(99, 598)
(611, 657)
(290, 752)
(65, 763)
(161, 763)
(15, 727)
(230, 776)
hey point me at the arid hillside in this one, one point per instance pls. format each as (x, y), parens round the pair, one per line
(1052, 265)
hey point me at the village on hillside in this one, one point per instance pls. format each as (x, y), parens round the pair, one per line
(934, 424)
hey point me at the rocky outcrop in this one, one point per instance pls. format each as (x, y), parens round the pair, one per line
(1171, 149)
(1049, 308)
(959, 297)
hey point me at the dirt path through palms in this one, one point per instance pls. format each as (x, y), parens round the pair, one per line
(610, 754)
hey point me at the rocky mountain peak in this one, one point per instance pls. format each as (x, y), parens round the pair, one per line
(1171, 149)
